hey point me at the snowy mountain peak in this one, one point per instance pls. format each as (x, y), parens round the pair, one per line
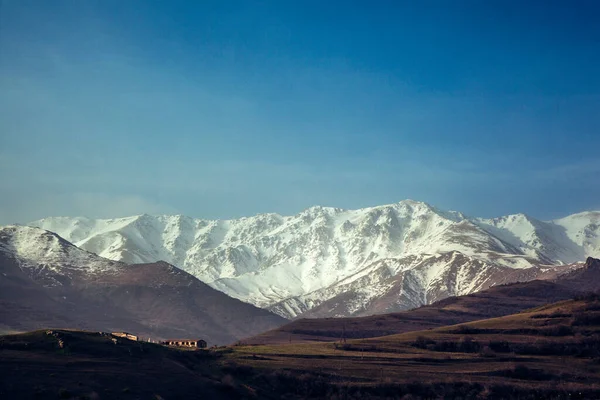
(298, 262)
(414, 203)
(31, 242)
(35, 247)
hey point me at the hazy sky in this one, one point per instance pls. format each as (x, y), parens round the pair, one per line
(220, 109)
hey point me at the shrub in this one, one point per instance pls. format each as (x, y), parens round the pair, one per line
(228, 380)
(487, 352)
(554, 314)
(421, 342)
(586, 319)
(595, 306)
(525, 373)
(468, 345)
(557, 330)
(466, 330)
(500, 346)
(238, 370)
(590, 296)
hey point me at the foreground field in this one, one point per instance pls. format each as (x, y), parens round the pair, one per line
(549, 352)
(92, 366)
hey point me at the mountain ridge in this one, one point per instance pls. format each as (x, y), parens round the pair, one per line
(291, 264)
(493, 302)
(46, 281)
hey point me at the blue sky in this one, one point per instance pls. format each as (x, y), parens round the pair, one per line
(231, 108)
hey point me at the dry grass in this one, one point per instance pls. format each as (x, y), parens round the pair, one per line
(549, 352)
(451, 355)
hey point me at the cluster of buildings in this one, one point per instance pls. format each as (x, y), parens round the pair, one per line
(198, 343)
(186, 343)
(125, 335)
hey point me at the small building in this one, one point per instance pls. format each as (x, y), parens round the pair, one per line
(191, 343)
(125, 335)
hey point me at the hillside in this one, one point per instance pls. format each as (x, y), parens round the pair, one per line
(45, 281)
(585, 279)
(91, 366)
(493, 302)
(548, 352)
(335, 262)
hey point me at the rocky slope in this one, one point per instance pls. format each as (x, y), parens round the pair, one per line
(45, 281)
(344, 262)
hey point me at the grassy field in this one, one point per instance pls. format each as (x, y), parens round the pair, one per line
(549, 352)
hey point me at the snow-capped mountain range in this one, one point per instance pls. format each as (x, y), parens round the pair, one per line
(45, 281)
(335, 262)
